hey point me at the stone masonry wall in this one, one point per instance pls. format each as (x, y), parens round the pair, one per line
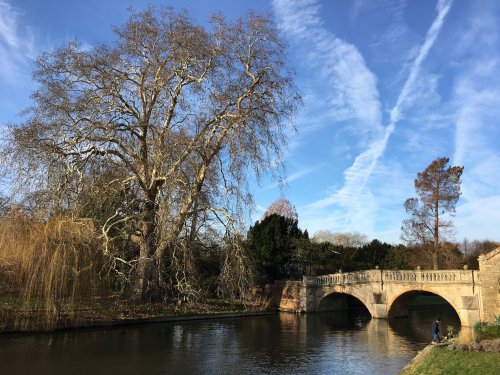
(489, 277)
(286, 295)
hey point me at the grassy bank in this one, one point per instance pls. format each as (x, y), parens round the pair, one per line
(441, 361)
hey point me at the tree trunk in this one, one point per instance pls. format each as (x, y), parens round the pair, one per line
(435, 258)
(148, 280)
(147, 287)
(435, 247)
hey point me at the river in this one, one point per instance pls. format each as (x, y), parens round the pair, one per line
(348, 342)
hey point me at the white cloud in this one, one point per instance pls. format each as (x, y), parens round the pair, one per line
(352, 87)
(8, 24)
(479, 219)
(407, 93)
(294, 176)
(476, 98)
(356, 177)
(17, 44)
(475, 145)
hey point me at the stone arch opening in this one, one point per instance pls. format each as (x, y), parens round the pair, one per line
(343, 302)
(421, 299)
(418, 309)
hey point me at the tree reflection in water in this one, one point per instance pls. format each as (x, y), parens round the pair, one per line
(348, 342)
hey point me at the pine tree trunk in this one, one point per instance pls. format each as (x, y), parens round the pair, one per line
(435, 265)
(435, 248)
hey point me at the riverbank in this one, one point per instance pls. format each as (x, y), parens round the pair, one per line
(14, 319)
(434, 360)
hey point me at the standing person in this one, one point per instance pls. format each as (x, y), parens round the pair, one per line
(435, 330)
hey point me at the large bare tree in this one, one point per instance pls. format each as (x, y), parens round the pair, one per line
(438, 188)
(173, 114)
(346, 239)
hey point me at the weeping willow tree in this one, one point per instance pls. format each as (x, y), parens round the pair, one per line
(152, 137)
(55, 268)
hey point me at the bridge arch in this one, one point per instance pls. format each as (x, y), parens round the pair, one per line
(384, 292)
(352, 294)
(397, 306)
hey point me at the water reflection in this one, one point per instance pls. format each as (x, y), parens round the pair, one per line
(417, 326)
(347, 342)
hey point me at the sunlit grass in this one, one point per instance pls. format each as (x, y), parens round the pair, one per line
(447, 362)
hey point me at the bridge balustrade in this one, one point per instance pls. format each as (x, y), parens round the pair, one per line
(360, 277)
(447, 276)
(400, 276)
(340, 278)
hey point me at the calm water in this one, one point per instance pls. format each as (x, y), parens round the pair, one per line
(321, 343)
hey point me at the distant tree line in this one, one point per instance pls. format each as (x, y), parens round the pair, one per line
(280, 250)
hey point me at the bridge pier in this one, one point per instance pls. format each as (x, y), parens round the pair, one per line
(380, 311)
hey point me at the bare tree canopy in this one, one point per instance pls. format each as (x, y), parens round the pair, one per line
(282, 207)
(346, 239)
(438, 188)
(159, 128)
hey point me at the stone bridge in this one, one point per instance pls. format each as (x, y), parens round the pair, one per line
(387, 293)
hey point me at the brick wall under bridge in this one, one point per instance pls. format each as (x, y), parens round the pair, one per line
(387, 293)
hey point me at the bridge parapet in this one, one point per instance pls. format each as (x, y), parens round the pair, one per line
(439, 277)
(388, 276)
(360, 277)
(389, 292)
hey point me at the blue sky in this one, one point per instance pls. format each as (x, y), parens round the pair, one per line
(388, 86)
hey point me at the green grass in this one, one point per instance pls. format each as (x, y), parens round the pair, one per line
(441, 361)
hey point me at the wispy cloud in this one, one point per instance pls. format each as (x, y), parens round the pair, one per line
(390, 186)
(479, 219)
(294, 176)
(357, 176)
(17, 45)
(476, 98)
(476, 142)
(8, 24)
(405, 95)
(352, 86)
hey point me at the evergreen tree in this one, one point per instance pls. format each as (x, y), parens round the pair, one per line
(271, 243)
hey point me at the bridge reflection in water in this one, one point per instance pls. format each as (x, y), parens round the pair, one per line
(345, 342)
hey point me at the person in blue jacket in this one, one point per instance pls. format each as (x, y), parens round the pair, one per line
(435, 330)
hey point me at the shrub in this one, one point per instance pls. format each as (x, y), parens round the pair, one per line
(488, 330)
(450, 331)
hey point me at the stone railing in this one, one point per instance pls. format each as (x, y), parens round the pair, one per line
(440, 277)
(391, 276)
(360, 277)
